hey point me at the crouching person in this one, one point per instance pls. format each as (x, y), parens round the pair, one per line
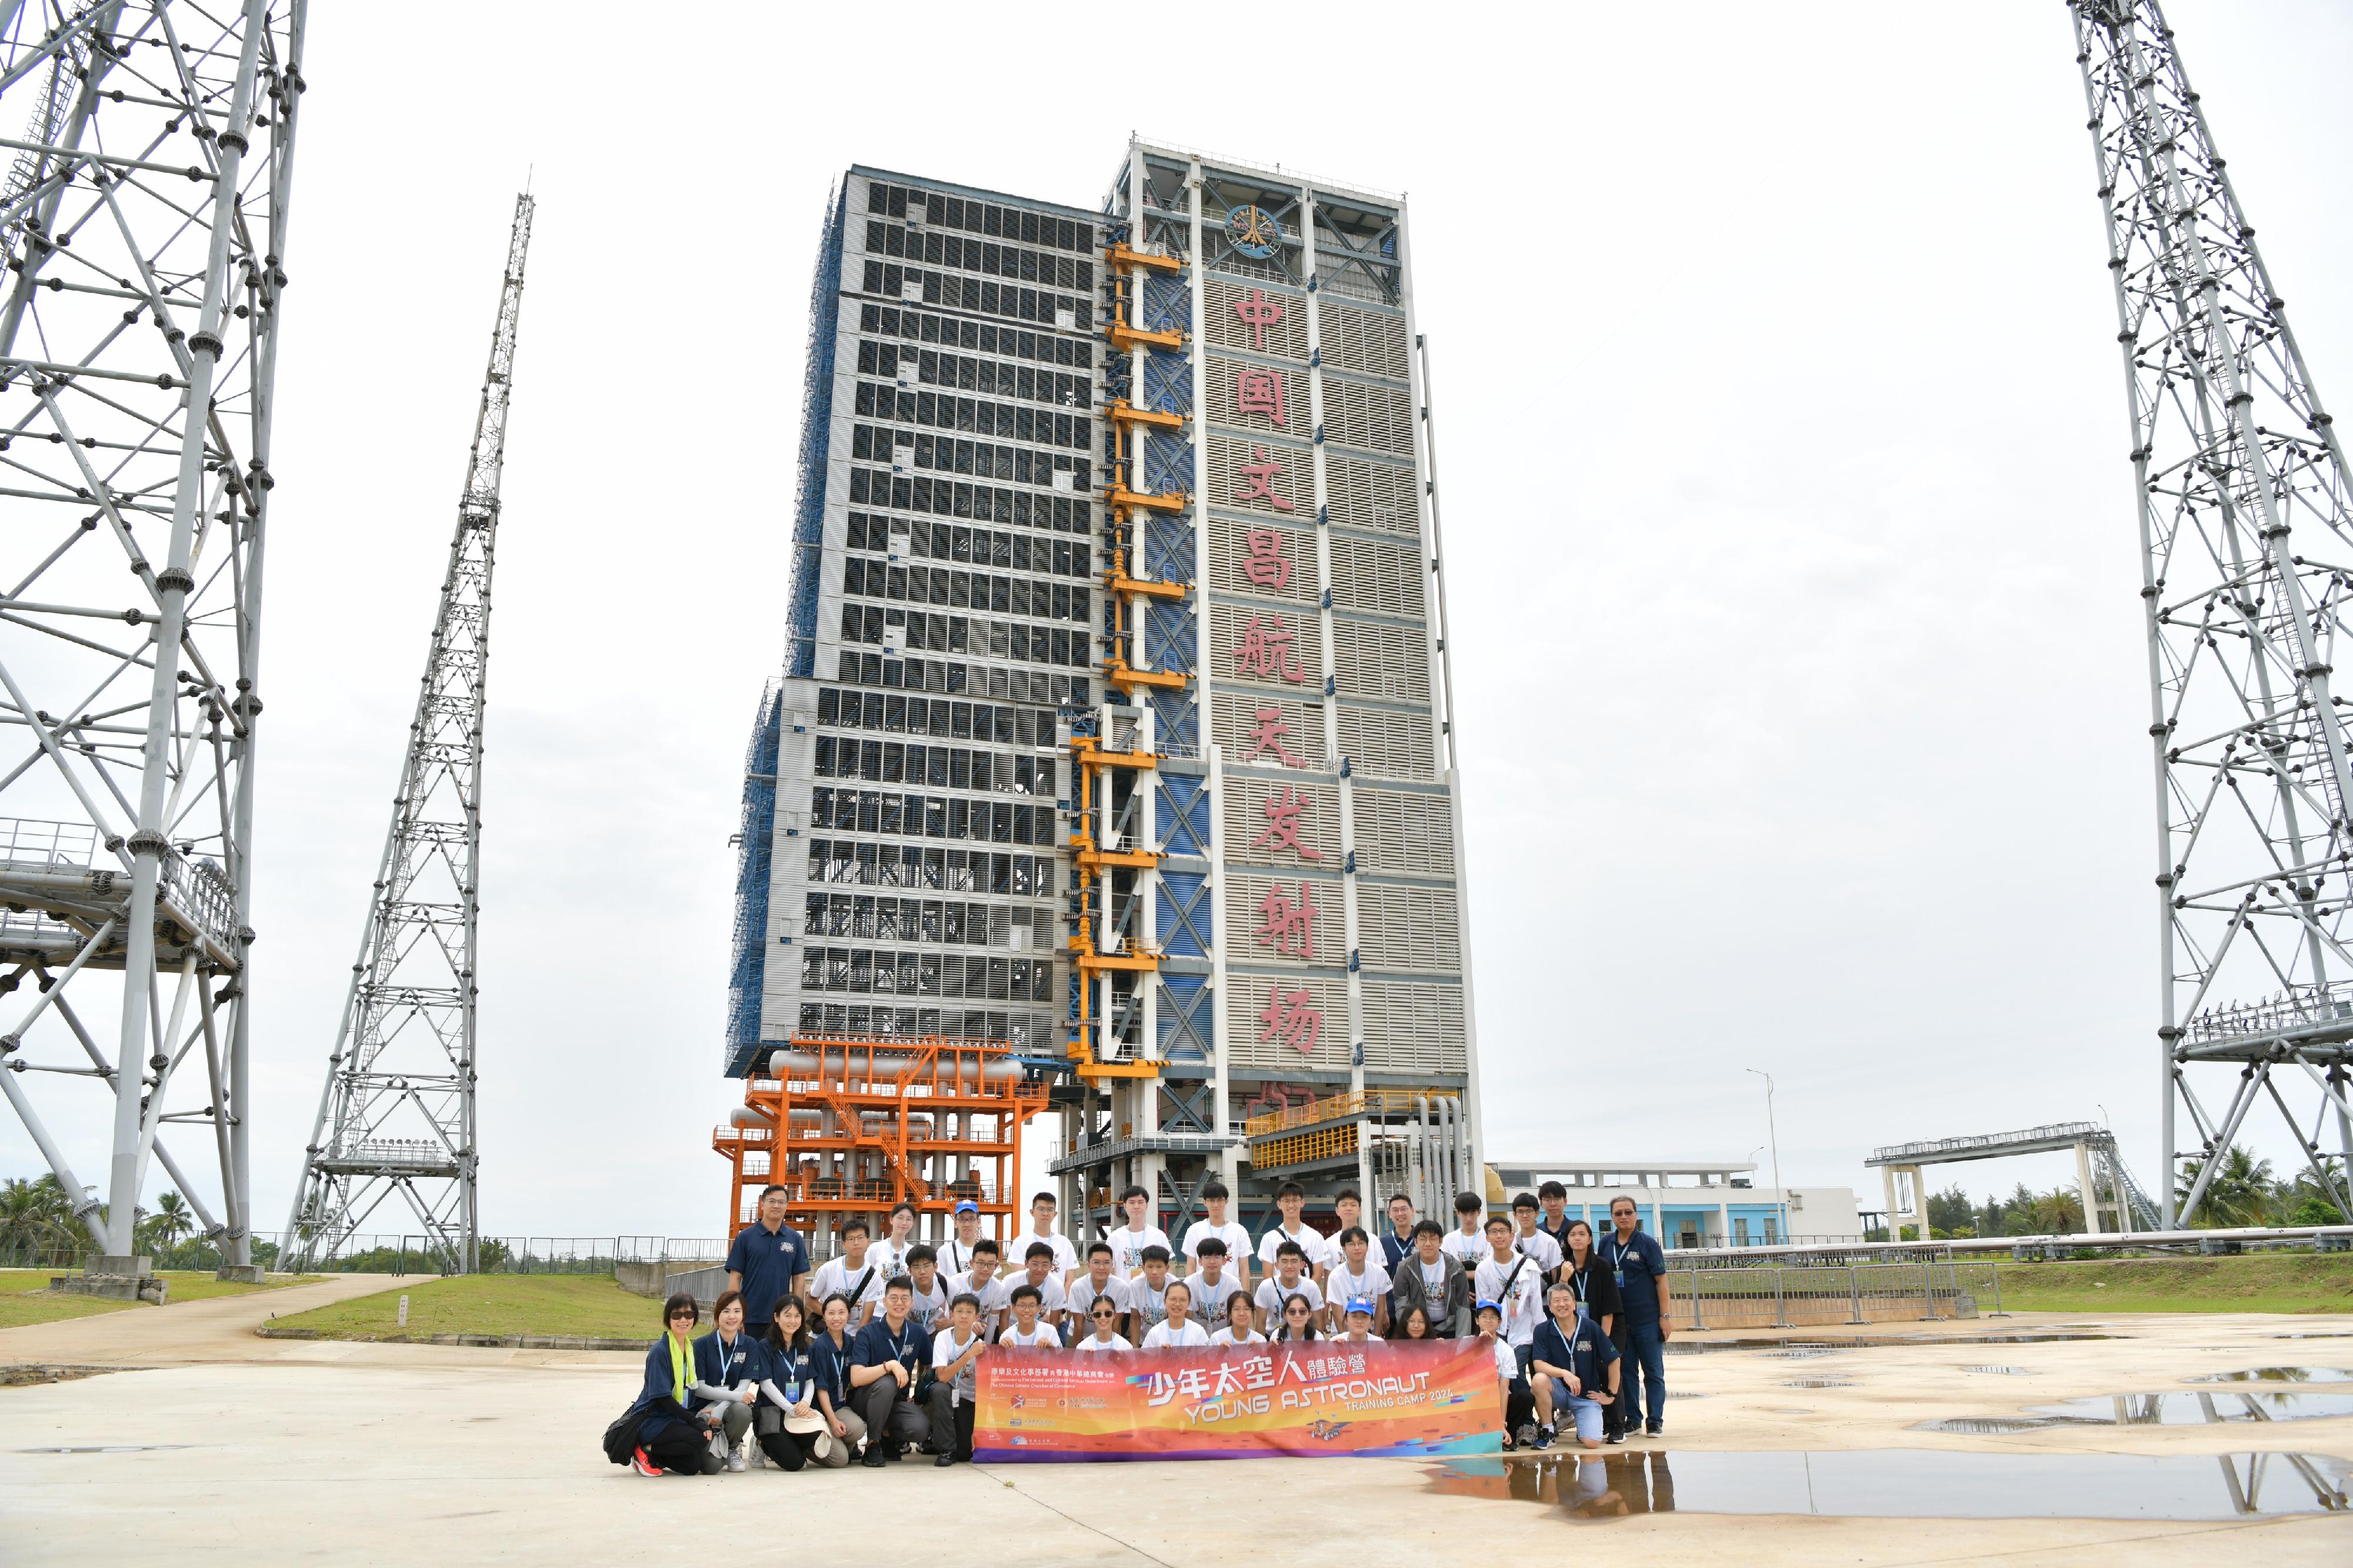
(671, 1437)
(885, 1360)
(729, 1367)
(829, 1354)
(790, 1428)
(1575, 1371)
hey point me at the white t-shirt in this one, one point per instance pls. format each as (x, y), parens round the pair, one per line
(1523, 1306)
(890, 1256)
(929, 1313)
(1235, 1236)
(1066, 1256)
(1467, 1250)
(1343, 1285)
(834, 1278)
(1507, 1361)
(1149, 1305)
(1310, 1242)
(1274, 1292)
(946, 1348)
(1369, 1338)
(1210, 1300)
(1080, 1297)
(1540, 1246)
(1051, 1297)
(1226, 1336)
(1043, 1334)
(1127, 1247)
(1433, 1292)
(1165, 1335)
(955, 1256)
(996, 1297)
(1116, 1342)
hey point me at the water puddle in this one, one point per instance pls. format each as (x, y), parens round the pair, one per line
(1860, 1342)
(109, 1448)
(2200, 1409)
(1910, 1483)
(1998, 1426)
(2277, 1375)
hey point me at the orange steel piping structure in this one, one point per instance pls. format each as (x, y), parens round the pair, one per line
(871, 1114)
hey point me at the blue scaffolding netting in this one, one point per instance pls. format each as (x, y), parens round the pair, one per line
(754, 838)
(817, 422)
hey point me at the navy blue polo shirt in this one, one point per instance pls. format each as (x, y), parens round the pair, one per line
(768, 1261)
(876, 1344)
(1586, 1351)
(1636, 1266)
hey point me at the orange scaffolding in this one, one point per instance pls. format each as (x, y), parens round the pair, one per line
(858, 1124)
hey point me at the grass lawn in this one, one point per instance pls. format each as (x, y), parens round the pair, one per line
(2265, 1283)
(24, 1295)
(579, 1304)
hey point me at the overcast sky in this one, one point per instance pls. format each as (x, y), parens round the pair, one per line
(1783, 462)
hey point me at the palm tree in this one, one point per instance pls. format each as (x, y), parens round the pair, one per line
(2241, 1192)
(171, 1221)
(2058, 1212)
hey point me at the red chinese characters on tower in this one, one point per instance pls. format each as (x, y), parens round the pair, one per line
(1291, 1017)
(1285, 924)
(1258, 475)
(1258, 313)
(1283, 811)
(1258, 392)
(1267, 567)
(1266, 651)
(1267, 736)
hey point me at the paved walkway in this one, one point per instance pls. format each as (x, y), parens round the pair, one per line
(261, 1451)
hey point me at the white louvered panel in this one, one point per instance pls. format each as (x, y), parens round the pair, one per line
(1376, 574)
(1412, 1026)
(1373, 342)
(1260, 1040)
(1225, 375)
(1379, 659)
(1292, 482)
(1253, 831)
(1285, 338)
(1402, 832)
(1247, 915)
(1236, 718)
(1231, 562)
(1369, 494)
(1335, 275)
(1407, 928)
(1384, 742)
(1238, 651)
(1366, 414)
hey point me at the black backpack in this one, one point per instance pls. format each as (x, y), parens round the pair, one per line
(621, 1437)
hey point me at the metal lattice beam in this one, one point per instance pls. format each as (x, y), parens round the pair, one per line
(143, 223)
(2247, 544)
(397, 1115)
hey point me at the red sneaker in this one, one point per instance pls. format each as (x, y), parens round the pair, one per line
(644, 1466)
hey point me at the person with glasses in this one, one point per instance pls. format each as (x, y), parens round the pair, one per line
(668, 1437)
(1639, 1268)
(1104, 1314)
(1177, 1330)
(885, 1360)
(1298, 1320)
(1097, 1285)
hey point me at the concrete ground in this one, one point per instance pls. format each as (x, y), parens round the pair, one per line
(227, 1446)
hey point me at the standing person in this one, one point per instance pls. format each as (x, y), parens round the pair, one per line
(990, 1288)
(1576, 1371)
(890, 1254)
(1239, 1328)
(1534, 1239)
(1555, 1222)
(1510, 1279)
(1434, 1282)
(1212, 1282)
(1041, 1228)
(1467, 1242)
(1639, 1268)
(1291, 1231)
(1287, 1282)
(956, 1254)
(1231, 1235)
(767, 1262)
(1597, 1299)
(1357, 1275)
(1147, 1293)
(1099, 1283)
(1348, 1210)
(1026, 1332)
(729, 1367)
(1177, 1330)
(1105, 1317)
(829, 1354)
(668, 1437)
(1519, 1407)
(885, 1360)
(1397, 1242)
(1045, 1272)
(852, 1276)
(1128, 1242)
(928, 1302)
(788, 1425)
(955, 1357)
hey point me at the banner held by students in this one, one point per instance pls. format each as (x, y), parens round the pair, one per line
(1315, 1397)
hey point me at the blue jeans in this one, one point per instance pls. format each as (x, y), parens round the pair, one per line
(1644, 1380)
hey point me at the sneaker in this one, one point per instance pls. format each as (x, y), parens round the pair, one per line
(1524, 1435)
(1544, 1436)
(1613, 1437)
(759, 1456)
(643, 1465)
(736, 1463)
(873, 1459)
(1654, 1429)
(945, 1460)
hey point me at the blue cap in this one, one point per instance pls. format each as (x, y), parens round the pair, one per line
(1360, 1304)
(1485, 1306)
(968, 1206)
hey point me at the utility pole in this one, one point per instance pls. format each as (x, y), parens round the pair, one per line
(1773, 1139)
(397, 1115)
(143, 223)
(2239, 480)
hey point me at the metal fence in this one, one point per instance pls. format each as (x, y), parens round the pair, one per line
(412, 1253)
(1732, 1298)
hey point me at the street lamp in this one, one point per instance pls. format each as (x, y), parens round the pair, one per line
(1773, 1139)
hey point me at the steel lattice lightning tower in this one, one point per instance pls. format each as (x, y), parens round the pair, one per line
(144, 229)
(398, 1112)
(2247, 543)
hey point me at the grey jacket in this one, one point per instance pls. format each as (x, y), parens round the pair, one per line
(1450, 1318)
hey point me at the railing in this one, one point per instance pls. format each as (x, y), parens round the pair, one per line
(2051, 1131)
(1340, 1107)
(2303, 1008)
(1791, 1297)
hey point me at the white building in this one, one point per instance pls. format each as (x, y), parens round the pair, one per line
(1692, 1203)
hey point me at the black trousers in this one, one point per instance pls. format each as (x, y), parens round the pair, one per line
(951, 1430)
(1613, 1415)
(682, 1450)
(890, 1418)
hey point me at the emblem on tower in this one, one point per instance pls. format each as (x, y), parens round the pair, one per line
(1254, 232)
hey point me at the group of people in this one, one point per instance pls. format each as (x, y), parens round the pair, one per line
(874, 1353)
